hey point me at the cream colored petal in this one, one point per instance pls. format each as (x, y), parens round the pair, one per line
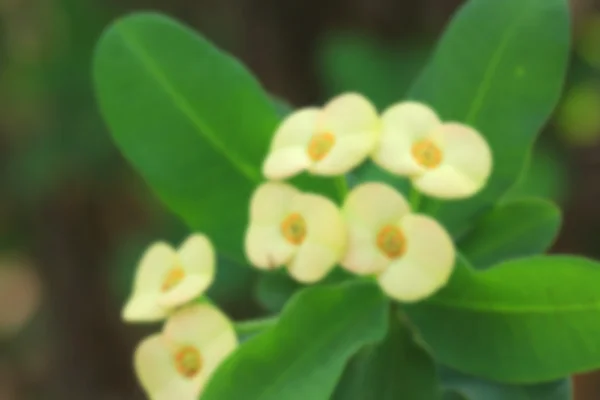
(156, 372)
(402, 125)
(142, 305)
(266, 248)
(297, 129)
(205, 328)
(198, 259)
(144, 308)
(156, 262)
(466, 165)
(348, 152)
(372, 205)
(286, 162)
(191, 287)
(313, 262)
(363, 257)
(270, 203)
(349, 114)
(427, 264)
(324, 221)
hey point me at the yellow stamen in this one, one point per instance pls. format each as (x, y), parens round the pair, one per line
(391, 241)
(188, 361)
(293, 228)
(173, 278)
(320, 145)
(427, 153)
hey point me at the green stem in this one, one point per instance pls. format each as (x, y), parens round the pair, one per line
(415, 199)
(342, 186)
(254, 326)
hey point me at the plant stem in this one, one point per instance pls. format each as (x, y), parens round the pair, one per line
(415, 199)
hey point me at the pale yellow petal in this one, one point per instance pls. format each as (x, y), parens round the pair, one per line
(197, 258)
(144, 308)
(348, 152)
(427, 264)
(208, 330)
(363, 257)
(191, 287)
(313, 262)
(156, 262)
(466, 165)
(349, 114)
(372, 205)
(156, 372)
(266, 248)
(270, 203)
(286, 162)
(142, 305)
(324, 221)
(402, 125)
(297, 129)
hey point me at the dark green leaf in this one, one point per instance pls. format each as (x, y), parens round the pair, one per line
(472, 388)
(396, 368)
(192, 120)
(304, 355)
(513, 229)
(524, 321)
(500, 68)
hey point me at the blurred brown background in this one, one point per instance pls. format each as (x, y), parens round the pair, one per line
(74, 217)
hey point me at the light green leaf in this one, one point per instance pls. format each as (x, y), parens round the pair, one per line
(524, 321)
(472, 388)
(513, 229)
(191, 119)
(500, 68)
(304, 355)
(396, 368)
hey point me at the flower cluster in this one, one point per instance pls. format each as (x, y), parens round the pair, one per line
(196, 338)
(375, 233)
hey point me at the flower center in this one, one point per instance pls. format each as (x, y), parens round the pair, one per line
(188, 361)
(320, 145)
(173, 278)
(427, 154)
(391, 241)
(293, 228)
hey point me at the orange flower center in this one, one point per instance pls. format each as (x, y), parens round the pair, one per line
(173, 278)
(188, 361)
(391, 241)
(320, 145)
(293, 228)
(427, 153)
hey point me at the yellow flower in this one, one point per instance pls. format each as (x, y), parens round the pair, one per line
(167, 278)
(303, 231)
(328, 141)
(412, 255)
(177, 363)
(445, 160)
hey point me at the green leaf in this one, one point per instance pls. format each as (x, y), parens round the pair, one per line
(514, 229)
(274, 289)
(500, 68)
(304, 355)
(472, 388)
(396, 368)
(191, 119)
(524, 321)
(354, 62)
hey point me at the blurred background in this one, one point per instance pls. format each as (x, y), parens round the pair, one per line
(74, 217)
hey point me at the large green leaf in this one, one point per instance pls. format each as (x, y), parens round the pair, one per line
(524, 321)
(191, 119)
(514, 229)
(396, 368)
(500, 68)
(472, 388)
(304, 355)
